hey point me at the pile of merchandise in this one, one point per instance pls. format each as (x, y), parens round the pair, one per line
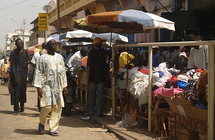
(166, 82)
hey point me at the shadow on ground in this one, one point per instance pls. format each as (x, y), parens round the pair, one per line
(6, 112)
(28, 131)
(30, 114)
(31, 91)
(5, 94)
(33, 109)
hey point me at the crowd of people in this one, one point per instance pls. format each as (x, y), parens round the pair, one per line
(51, 81)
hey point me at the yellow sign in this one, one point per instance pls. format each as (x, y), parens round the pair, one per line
(42, 18)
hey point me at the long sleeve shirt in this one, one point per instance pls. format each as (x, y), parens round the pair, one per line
(75, 62)
(51, 77)
(198, 58)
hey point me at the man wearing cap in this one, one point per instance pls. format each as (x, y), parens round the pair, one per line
(50, 81)
(98, 71)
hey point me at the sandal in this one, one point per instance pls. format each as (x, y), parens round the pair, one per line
(15, 113)
(53, 133)
(41, 129)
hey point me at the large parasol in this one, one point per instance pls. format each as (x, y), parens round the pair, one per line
(126, 22)
(86, 36)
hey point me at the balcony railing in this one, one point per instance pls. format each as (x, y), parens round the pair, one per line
(63, 6)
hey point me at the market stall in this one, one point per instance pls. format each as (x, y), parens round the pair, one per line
(211, 50)
(133, 25)
(78, 39)
(126, 21)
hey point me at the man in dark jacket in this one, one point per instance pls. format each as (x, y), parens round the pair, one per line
(98, 71)
(19, 68)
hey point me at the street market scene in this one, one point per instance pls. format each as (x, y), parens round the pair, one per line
(108, 69)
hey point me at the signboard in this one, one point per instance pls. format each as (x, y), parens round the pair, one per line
(42, 21)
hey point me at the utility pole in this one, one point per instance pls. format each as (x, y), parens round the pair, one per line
(58, 15)
(23, 33)
(33, 10)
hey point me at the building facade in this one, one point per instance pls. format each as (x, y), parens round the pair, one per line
(187, 15)
(38, 36)
(11, 38)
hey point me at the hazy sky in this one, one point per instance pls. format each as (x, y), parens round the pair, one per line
(18, 10)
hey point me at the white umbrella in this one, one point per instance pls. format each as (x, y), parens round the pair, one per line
(82, 35)
(69, 43)
(130, 21)
(78, 34)
(107, 36)
(59, 37)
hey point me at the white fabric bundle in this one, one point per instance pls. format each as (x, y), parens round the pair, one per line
(139, 87)
(160, 81)
(183, 78)
(130, 73)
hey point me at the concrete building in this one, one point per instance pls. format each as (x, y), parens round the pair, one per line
(71, 10)
(11, 38)
(187, 15)
(38, 36)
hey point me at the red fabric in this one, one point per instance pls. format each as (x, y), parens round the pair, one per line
(31, 51)
(198, 70)
(174, 77)
(144, 71)
(174, 81)
(170, 92)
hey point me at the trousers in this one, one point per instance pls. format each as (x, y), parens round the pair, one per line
(99, 88)
(55, 114)
(16, 106)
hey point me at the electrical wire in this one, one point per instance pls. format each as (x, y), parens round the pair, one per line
(13, 5)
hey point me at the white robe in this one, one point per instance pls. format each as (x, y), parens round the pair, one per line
(50, 75)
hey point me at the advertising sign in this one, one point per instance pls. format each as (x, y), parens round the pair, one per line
(42, 21)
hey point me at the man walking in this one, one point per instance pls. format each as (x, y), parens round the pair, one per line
(50, 81)
(34, 60)
(19, 68)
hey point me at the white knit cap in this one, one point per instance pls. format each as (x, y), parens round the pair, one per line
(49, 38)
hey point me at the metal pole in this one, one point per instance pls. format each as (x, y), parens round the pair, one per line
(58, 15)
(113, 83)
(150, 91)
(23, 33)
(211, 52)
(46, 32)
